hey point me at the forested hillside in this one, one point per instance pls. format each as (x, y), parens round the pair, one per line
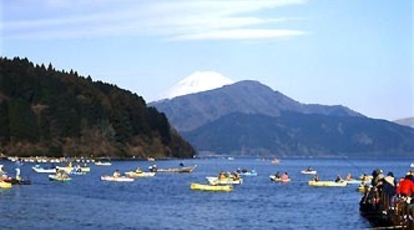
(49, 112)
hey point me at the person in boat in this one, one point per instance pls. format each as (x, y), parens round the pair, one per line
(284, 176)
(138, 170)
(309, 169)
(18, 177)
(78, 168)
(153, 168)
(181, 164)
(277, 175)
(348, 177)
(116, 173)
(377, 175)
(316, 178)
(365, 177)
(389, 186)
(236, 176)
(2, 172)
(406, 187)
(221, 176)
(58, 174)
(338, 179)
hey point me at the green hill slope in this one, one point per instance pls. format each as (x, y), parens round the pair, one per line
(56, 113)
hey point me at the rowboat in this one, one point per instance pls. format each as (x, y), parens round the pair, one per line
(225, 181)
(308, 172)
(184, 169)
(117, 179)
(61, 179)
(68, 169)
(15, 181)
(103, 163)
(139, 174)
(273, 178)
(4, 184)
(214, 188)
(327, 183)
(353, 181)
(275, 161)
(77, 173)
(247, 173)
(39, 169)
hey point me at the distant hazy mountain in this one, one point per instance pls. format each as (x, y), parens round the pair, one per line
(406, 121)
(189, 112)
(196, 82)
(295, 134)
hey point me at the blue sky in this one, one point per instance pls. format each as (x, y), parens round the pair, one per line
(349, 52)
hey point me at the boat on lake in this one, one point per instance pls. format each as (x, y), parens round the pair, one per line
(224, 181)
(4, 184)
(59, 178)
(181, 169)
(278, 179)
(327, 183)
(214, 188)
(39, 169)
(103, 163)
(76, 168)
(309, 172)
(140, 174)
(245, 172)
(117, 179)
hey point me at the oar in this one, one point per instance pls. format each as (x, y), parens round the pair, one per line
(389, 227)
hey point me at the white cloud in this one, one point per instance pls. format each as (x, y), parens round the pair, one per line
(173, 20)
(239, 34)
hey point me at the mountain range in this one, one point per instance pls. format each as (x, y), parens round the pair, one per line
(250, 118)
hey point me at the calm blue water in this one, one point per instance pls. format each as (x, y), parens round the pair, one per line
(166, 201)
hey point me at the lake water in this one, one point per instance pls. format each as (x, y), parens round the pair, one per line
(166, 201)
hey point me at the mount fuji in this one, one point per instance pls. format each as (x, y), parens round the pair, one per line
(197, 82)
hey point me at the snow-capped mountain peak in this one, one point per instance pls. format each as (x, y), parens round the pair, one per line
(197, 82)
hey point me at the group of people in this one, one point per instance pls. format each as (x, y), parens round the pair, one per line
(61, 174)
(227, 175)
(337, 179)
(389, 188)
(5, 177)
(282, 176)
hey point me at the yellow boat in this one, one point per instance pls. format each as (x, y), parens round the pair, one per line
(327, 183)
(5, 184)
(215, 188)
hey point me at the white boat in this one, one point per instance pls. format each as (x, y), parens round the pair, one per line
(308, 172)
(140, 174)
(412, 165)
(244, 172)
(117, 179)
(353, 181)
(226, 181)
(70, 168)
(273, 178)
(103, 163)
(39, 169)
